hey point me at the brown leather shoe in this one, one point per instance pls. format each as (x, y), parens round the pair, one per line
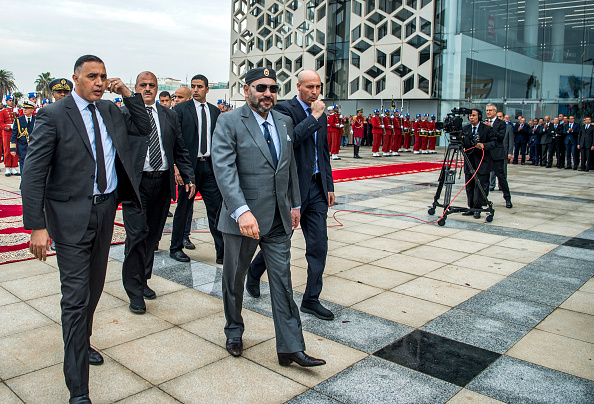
(301, 358)
(234, 346)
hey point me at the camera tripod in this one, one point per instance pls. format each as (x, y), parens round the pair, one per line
(447, 177)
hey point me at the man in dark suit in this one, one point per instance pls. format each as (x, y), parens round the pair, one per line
(85, 135)
(477, 137)
(498, 154)
(21, 129)
(546, 142)
(521, 133)
(559, 142)
(153, 157)
(257, 174)
(198, 120)
(571, 130)
(586, 144)
(316, 185)
(534, 142)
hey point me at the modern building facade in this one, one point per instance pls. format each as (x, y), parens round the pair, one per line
(530, 57)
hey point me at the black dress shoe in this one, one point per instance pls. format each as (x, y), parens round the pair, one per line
(234, 346)
(568, 168)
(575, 168)
(252, 285)
(188, 244)
(549, 166)
(317, 310)
(467, 213)
(95, 357)
(477, 215)
(300, 358)
(220, 261)
(148, 293)
(7, 174)
(84, 399)
(508, 204)
(581, 169)
(523, 163)
(169, 214)
(137, 309)
(179, 256)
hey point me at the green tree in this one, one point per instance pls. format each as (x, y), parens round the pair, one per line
(42, 84)
(17, 97)
(7, 85)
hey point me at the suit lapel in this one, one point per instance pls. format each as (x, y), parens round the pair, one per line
(106, 116)
(74, 115)
(255, 132)
(193, 113)
(281, 131)
(162, 122)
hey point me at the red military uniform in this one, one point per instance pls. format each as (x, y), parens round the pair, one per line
(417, 132)
(377, 131)
(334, 133)
(424, 134)
(387, 135)
(7, 117)
(406, 128)
(432, 137)
(397, 138)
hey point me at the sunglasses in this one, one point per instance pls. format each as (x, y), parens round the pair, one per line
(261, 88)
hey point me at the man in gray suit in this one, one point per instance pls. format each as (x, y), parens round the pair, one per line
(78, 169)
(256, 172)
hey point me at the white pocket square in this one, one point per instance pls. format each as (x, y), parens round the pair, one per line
(288, 138)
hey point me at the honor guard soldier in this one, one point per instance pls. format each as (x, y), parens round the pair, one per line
(60, 88)
(406, 129)
(33, 98)
(358, 124)
(7, 117)
(417, 133)
(432, 136)
(45, 102)
(118, 102)
(397, 129)
(377, 123)
(21, 129)
(335, 126)
(387, 135)
(425, 134)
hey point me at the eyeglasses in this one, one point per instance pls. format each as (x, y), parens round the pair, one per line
(261, 88)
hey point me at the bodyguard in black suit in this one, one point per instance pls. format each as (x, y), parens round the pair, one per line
(521, 134)
(316, 187)
(198, 119)
(546, 142)
(153, 157)
(498, 154)
(571, 130)
(586, 144)
(559, 143)
(87, 137)
(478, 137)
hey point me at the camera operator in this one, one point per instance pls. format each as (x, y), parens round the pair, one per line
(477, 137)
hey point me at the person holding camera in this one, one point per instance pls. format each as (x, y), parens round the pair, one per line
(477, 138)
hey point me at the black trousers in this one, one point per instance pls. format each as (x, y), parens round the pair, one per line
(520, 147)
(571, 151)
(206, 184)
(499, 170)
(547, 154)
(314, 211)
(586, 157)
(144, 224)
(559, 150)
(82, 275)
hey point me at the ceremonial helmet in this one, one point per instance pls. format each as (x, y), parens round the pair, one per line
(117, 100)
(376, 111)
(45, 101)
(418, 115)
(9, 97)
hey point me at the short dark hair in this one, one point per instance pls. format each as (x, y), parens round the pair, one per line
(200, 77)
(164, 94)
(479, 113)
(84, 59)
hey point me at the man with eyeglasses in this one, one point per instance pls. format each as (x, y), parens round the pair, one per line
(256, 171)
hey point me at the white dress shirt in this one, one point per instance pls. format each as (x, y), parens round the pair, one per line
(198, 107)
(147, 164)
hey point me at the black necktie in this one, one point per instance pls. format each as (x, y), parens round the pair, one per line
(308, 111)
(270, 143)
(474, 135)
(203, 141)
(99, 159)
(155, 159)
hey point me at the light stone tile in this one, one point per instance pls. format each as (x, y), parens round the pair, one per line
(494, 265)
(116, 289)
(338, 357)
(35, 286)
(7, 396)
(50, 306)
(163, 286)
(581, 302)
(570, 324)
(560, 228)
(464, 246)
(466, 396)
(412, 236)
(359, 254)
(336, 264)
(436, 291)
(556, 352)
(258, 328)
(465, 277)
(402, 309)
(173, 352)
(7, 297)
(184, 306)
(512, 254)
(114, 271)
(233, 380)
(435, 254)
(387, 244)
(530, 245)
(376, 276)
(436, 230)
(486, 238)
(346, 236)
(372, 230)
(24, 269)
(18, 317)
(153, 395)
(298, 275)
(118, 325)
(588, 286)
(30, 350)
(408, 264)
(343, 291)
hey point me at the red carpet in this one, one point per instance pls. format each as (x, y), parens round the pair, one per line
(383, 170)
(14, 239)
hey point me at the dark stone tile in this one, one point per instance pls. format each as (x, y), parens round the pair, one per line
(116, 252)
(180, 273)
(555, 197)
(312, 397)
(534, 291)
(474, 329)
(358, 330)
(553, 260)
(514, 381)
(440, 357)
(576, 253)
(580, 243)
(563, 277)
(588, 234)
(507, 308)
(374, 380)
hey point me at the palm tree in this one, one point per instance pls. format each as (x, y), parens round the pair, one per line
(17, 97)
(42, 82)
(7, 85)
